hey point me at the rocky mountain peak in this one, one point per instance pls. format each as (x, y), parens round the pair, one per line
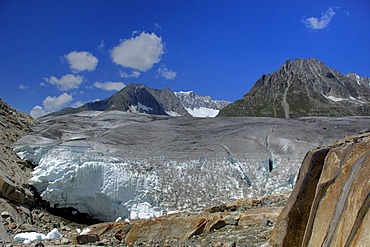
(304, 87)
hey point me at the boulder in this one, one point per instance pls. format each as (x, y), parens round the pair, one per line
(329, 205)
(161, 228)
(257, 216)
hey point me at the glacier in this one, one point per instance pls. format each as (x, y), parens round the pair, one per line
(117, 164)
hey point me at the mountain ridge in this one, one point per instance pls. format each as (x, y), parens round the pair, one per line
(139, 98)
(304, 87)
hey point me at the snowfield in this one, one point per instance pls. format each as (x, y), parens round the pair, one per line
(117, 164)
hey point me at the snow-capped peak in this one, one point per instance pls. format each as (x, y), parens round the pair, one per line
(200, 106)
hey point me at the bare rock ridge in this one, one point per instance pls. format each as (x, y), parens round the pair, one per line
(329, 205)
(304, 87)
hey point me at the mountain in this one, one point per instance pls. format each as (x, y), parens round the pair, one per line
(200, 106)
(136, 98)
(113, 164)
(304, 87)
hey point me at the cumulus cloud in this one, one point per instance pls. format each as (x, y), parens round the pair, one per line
(37, 112)
(140, 52)
(55, 103)
(133, 74)
(51, 104)
(163, 71)
(320, 23)
(66, 82)
(109, 85)
(81, 60)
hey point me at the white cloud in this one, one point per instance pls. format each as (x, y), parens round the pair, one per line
(51, 104)
(109, 85)
(81, 60)
(78, 104)
(320, 23)
(140, 52)
(163, 71)
(101, 45)
(66, 82)
(133, 74)
(37, 112)
(55, 103)
(23, 87)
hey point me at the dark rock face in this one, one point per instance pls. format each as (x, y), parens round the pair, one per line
(304, 87)
(135, 98)
(329, 205)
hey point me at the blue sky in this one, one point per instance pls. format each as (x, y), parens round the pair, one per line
(64, 53)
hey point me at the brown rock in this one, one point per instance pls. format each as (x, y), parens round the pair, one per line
(330, 202)
(159, 229)
(256, 216)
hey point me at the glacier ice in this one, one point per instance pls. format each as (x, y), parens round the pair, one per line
(117, 164)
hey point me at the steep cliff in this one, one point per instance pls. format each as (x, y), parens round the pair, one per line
(329, 205)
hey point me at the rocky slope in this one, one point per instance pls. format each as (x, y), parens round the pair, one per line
(330, 203)
(201, 106)
(15, 194)
(116, 164)
(304, 87)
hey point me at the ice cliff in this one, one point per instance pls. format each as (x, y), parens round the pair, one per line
(116, 164)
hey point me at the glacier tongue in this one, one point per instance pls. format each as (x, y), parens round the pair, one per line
(116, 164)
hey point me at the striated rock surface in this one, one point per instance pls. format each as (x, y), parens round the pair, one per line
(329, 205)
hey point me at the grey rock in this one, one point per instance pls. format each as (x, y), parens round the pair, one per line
(64, 241)
(28, 228)
(85, 239)
(5, 214)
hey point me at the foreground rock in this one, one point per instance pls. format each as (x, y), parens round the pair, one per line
(329, 205)
(246, 222)
(116, 164)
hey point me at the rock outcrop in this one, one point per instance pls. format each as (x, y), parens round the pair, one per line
(301, 88)
(329, 205)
